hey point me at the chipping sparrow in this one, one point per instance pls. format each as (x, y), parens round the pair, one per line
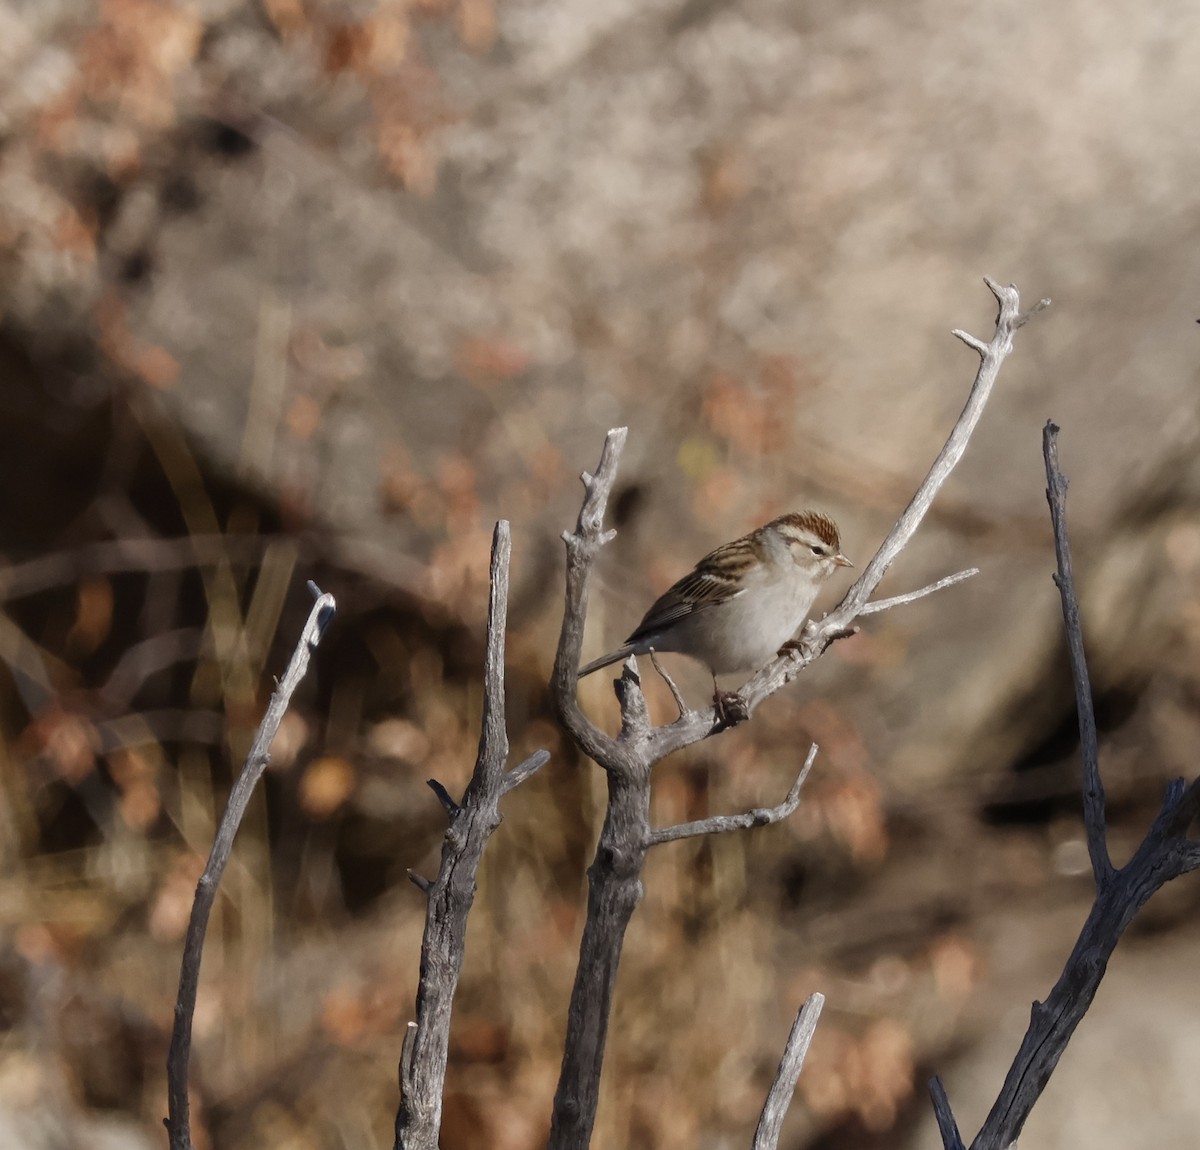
(742, 602)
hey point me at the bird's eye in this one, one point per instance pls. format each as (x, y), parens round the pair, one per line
(817, 550)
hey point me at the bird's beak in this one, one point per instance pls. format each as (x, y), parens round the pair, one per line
(842, 561)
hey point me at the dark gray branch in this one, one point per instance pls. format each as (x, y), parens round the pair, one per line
(947, 1126)
(1093, 785)
(452, 893)
(1164, 854)
(178, 1121)
(766, 1137)
(759, 817)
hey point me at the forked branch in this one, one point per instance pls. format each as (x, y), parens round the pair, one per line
(452, 893)
(614, 878)
(1166, 853)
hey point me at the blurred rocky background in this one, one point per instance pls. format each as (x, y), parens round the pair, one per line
(299, 289)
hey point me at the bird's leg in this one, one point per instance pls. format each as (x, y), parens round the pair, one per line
(798, 644)
(730, 707)
(670, 683)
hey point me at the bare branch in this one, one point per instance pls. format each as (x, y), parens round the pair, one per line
(525, 770)
(911, 596)
(444, 797)
(614, 878)
(947, 1126)
(817, 636)
(452, 893)
(766, 1137)
(759, 817)
(178, 1121)
(583, 545)
(421, 883)
(1093, 785)
(1165, 853)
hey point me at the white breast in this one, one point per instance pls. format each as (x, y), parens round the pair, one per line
(745, 632)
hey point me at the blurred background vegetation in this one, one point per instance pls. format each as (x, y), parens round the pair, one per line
(318, 289)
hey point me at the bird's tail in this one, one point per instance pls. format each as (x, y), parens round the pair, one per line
(617, 656)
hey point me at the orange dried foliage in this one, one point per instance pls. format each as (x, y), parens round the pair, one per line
(869, 1076)
(157, 367)
(755, 419)
(344, 1015)
(718, 494)
(288, 742)
(957, 966)
(476, 23)
(486, 360)
(458, 481)
(839, 738)
(288, 16)
(326, 785)
(457, 575)
(171, 906)
(398, 485)
(406, 153)
(853, 812)
(480, 1040)
(327, 362)
(135, 773)
(399, 739)
(724, 181)
(303, 418)
(75, 233)
(93, 616)
(135, 53)
(65, 741)
(152, 365)
(370, 48)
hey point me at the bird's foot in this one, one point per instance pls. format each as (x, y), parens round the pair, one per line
(731, 709)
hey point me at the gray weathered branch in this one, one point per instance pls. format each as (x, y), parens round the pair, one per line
(178, 1121)
(452, 893)
(614, 878)
(759, 817)
(1166, 853)
(770, 1123)
(817, 636)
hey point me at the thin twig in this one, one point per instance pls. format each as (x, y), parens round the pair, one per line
(770, 1123)
(177, 1122)
(1093, 785)
(759, 817)
(911, 596)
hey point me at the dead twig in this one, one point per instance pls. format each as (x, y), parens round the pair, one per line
(452, 893)
(1166, 853)
(775, 1109)
(178, 1122)
(614, 878)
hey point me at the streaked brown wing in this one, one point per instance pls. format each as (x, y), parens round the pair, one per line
(714, 580)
